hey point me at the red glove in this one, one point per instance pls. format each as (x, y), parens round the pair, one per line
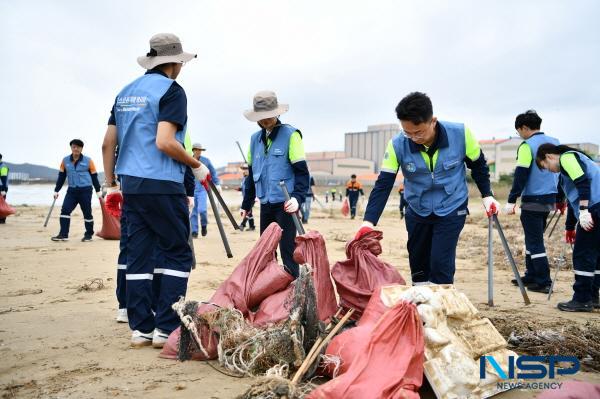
(114, 202)
(570, 236)
(364, 229)
(561, 207)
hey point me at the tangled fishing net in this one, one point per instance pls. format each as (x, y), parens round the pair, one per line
(246, 350)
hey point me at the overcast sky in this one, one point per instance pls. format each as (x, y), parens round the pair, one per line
(341, 65)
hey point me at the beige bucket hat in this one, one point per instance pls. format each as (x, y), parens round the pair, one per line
(198, 146)
(265, 106)
(164, 48)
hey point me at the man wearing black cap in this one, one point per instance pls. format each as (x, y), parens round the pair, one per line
(80, 173)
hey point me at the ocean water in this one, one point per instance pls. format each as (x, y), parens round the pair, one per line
(36, 194)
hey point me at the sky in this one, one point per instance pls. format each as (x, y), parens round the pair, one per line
(341, 65)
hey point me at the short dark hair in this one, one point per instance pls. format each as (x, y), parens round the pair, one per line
(77, 142)
(528, 118)
(353, 176)
(416, 107)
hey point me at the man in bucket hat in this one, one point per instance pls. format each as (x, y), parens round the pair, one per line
(276, 153)
(148, 123)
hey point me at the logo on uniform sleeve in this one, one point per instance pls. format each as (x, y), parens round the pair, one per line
(410, 167)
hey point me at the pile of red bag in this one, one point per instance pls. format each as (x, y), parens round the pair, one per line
(259, 287)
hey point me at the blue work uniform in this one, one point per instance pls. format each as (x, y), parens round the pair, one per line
(81, 176)
(155, 204)
(200, 198)
(436, 192)
(306, 205)
(278, 156)
(249, 216)
(538, 189)
(580, 179)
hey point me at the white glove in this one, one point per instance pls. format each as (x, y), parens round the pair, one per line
(491, 206)
(585, 220)
(99, 194)
(201, 173)
(3, 193)
(190, 203)
(219, 189)
(55, 195)
(509, 208)
(291, 206)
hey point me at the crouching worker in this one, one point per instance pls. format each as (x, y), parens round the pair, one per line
(580, 178)
(148, 122)
(432, 155)
(80, 173)
(276, 154)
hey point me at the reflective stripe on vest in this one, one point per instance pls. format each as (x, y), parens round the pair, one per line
(136, 113)
(272, 165)
(540, 181)
(592, 172)
(78, 175)
(442, 190)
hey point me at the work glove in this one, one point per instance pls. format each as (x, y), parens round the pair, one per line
(509, 208)
(3, 193)
(291, 206)
(365, 227)
(99, 194)
(55, 195)
(114, 201)
(585, 220)
(190, 203)
(570, 236)
(492, 207)
(202, 174)
(561, 207)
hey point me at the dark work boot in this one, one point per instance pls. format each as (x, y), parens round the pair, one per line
(574, 306)
(525, 279)
(544, 289)
(204, 231)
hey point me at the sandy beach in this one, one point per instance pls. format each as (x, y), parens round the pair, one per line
(58, 340)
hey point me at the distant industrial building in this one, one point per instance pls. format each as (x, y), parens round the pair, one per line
(370, 145)
(337, 164)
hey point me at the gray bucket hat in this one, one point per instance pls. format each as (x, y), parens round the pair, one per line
(265, 106)
(164, 48)
(198, 146)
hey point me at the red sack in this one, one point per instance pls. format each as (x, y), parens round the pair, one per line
(257, 277)
(111, 225)
(271, 310)
(5, 209)
(572, 390)
(347, 345)
(396, 340)
(345, 207)
(357, 277)
(310, 248)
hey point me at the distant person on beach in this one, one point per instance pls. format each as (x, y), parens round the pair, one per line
(249, 217)
(432, 156)
(3, 183)
(200, 196)
(353, 190)
(402, 200)
(148, 123)
(276, 154)
(306, 205)
(80, 173)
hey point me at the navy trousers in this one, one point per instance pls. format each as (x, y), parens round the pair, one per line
(536, 260)
(81, 196)
(586, 263)
(270, 213)
(432, 246)
(156, 223)
(353, 200)
(122, 265)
